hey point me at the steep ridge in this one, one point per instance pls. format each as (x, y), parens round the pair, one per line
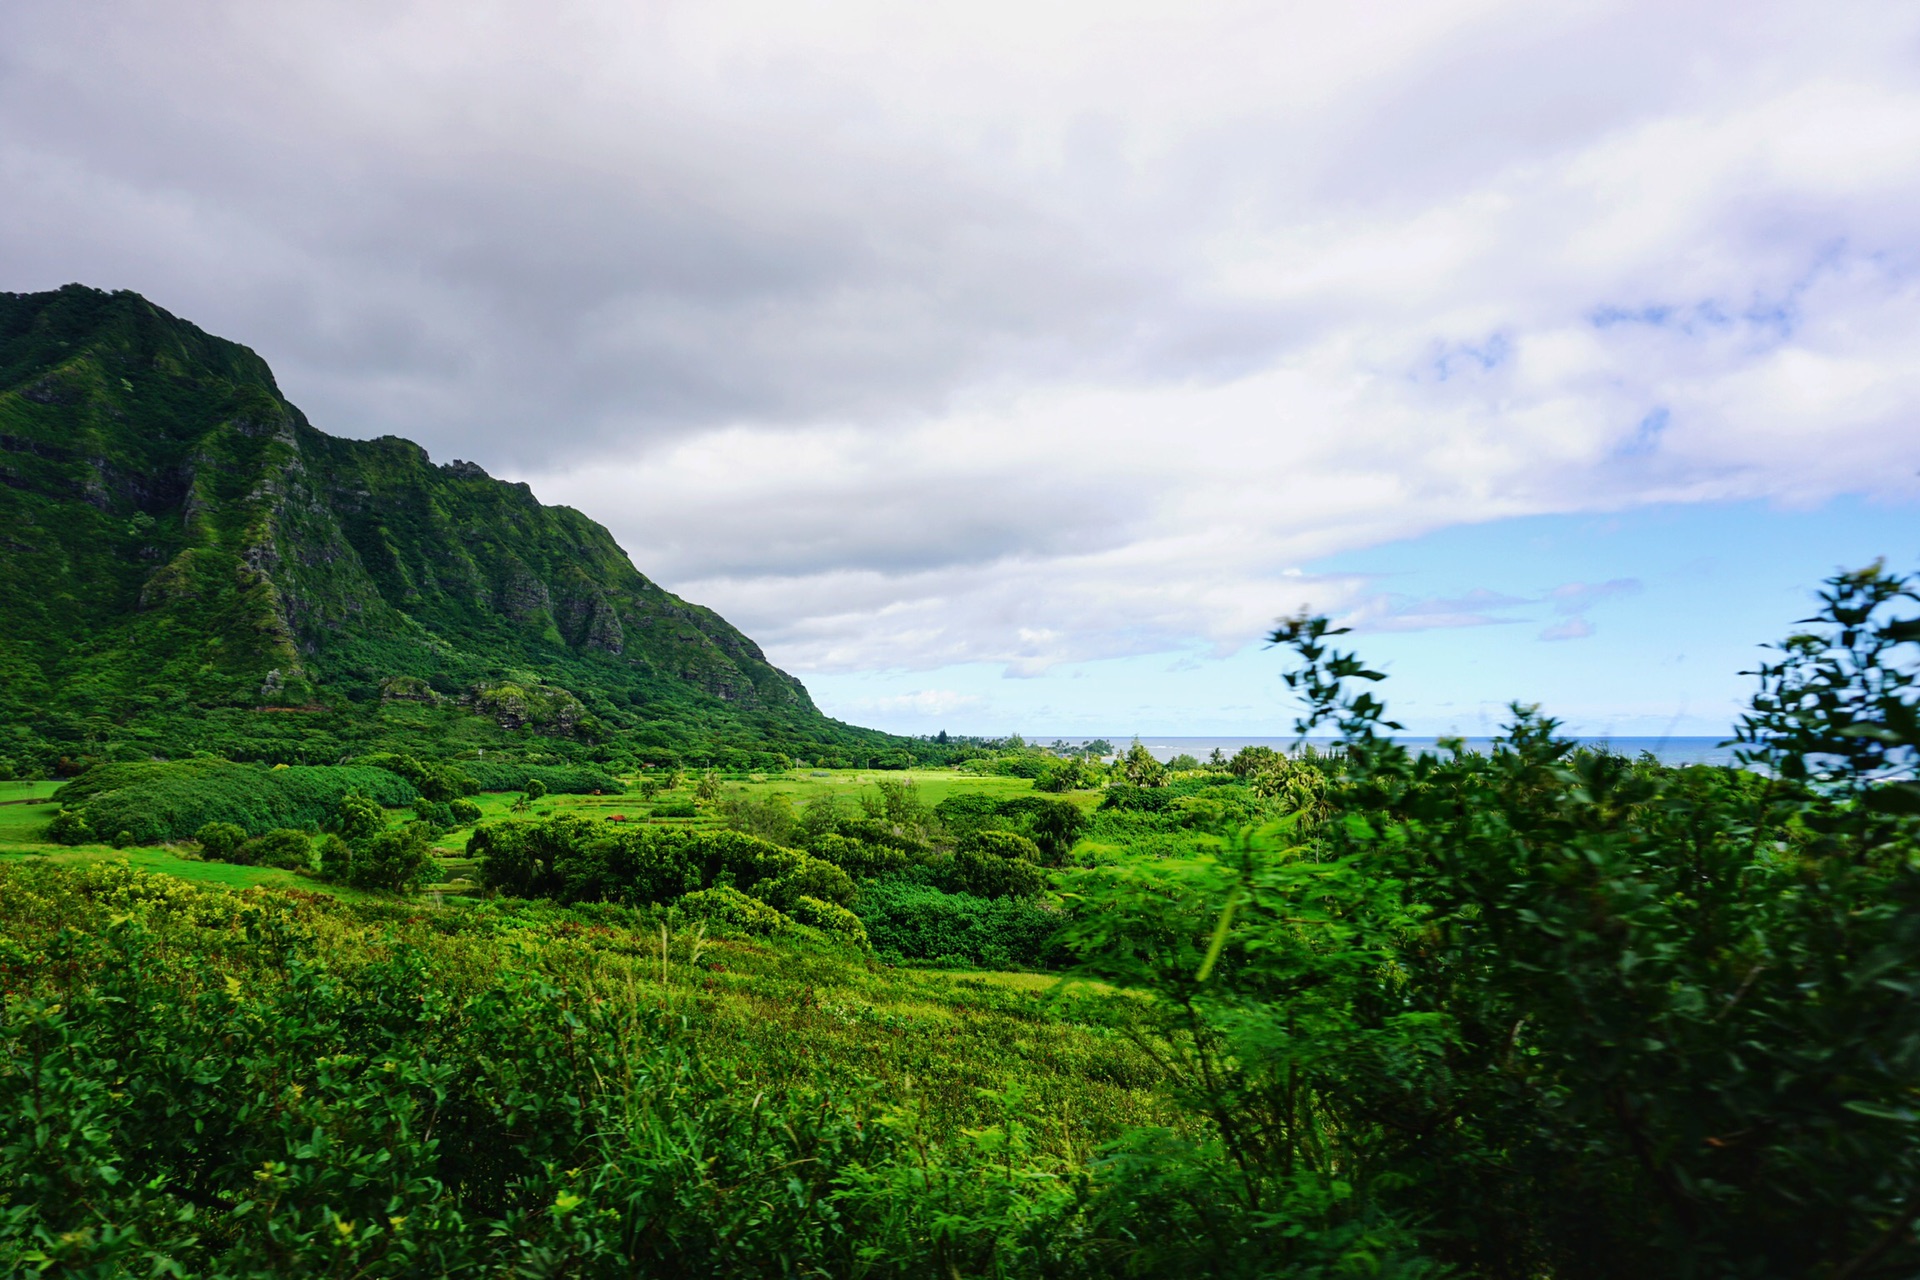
(187, 563)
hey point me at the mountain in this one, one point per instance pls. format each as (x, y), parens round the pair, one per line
(187, 564)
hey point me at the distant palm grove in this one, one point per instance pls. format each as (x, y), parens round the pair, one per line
(395, 882)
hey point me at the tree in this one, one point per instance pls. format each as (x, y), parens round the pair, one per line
(356, 818)
(1140, 768)
(221, 841)
(397, 859)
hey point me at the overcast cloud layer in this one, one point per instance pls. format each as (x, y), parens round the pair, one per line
(913, 335)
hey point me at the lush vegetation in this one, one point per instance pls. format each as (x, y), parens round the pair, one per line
(155, 802)
(1539, 1012)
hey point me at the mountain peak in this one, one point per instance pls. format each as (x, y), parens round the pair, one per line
(180, 538)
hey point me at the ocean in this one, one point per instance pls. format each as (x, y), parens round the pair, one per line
(1666, 750)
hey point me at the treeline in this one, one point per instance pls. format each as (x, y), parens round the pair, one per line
(172, 801)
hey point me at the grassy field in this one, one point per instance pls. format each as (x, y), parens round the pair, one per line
(949, 1041)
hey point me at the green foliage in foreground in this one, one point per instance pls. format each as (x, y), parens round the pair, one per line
(1564, 1014)
(172, 801)
(212, 1085)
(1539, 1014)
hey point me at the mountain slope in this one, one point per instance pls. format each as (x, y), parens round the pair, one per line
(186, 563)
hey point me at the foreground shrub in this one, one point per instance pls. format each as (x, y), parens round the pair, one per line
(196, 1083)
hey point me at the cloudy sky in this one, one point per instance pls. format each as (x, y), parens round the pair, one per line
(1013, 367)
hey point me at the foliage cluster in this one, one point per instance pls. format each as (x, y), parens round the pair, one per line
(566, 780)
(172, 800)
(1556, 1012)
(201, 1084)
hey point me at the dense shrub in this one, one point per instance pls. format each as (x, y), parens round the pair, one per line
(171, 801)
(829, 917)
(967, 810)
(569, 780)
(1053, 825)
(574, 859)
(726, 905)
(397, 859)
(1000, 844)
(221, 841)
(286, 848)
(463, 812)
(69, 826)
(909, 921)
(355, 817)
(434, 780)
(1077, 774)
(435, 813)
(334, 857)
(970, 870)
(856, 857)
(812, 878)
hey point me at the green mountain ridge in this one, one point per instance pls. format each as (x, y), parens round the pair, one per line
(187, 564)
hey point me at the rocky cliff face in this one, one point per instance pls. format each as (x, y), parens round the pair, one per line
(171, 528)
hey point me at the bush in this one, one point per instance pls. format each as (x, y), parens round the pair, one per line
(435, 813)
(724, 905)
(221, 841)
(436, 781)
(909, 922)
(335, 857)
(464, 813)
(355, 817)
(287, 849)
(1076, 774)
(170, 801)
(1001, 844)
(830, 918)
(567, 780)
(69, 826)
(856, 857)
(812, 878)
(580, 860)
(964, 812)
(396, 860)
(989, 875)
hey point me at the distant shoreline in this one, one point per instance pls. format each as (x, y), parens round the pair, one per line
(1668, 750)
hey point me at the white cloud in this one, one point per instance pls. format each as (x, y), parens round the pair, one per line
(911, 336)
